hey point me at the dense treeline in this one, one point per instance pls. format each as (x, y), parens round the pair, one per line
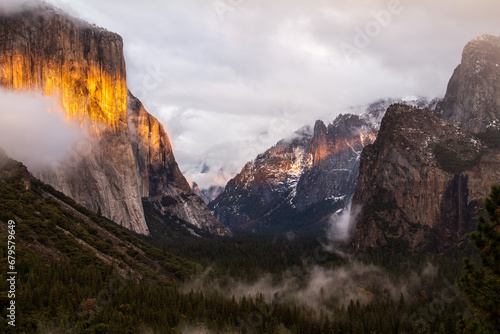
(61, 298)
(78, 273)
(64, 298)
(248, 257)
(68, 298)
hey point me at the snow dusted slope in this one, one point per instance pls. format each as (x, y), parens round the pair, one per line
(302, 180)
(266, 183)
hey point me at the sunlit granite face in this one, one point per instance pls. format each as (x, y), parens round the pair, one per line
(81, 66)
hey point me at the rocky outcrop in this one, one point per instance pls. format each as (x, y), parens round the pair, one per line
(158, 171)
(127, 157)
(161, 182)
(335, 152)
(422, 182)
(473, 96)
(80, 64)
(103, 178)
(301, 181)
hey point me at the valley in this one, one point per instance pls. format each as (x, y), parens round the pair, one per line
(381, 219)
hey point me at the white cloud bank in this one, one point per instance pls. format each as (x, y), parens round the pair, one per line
(34, 129)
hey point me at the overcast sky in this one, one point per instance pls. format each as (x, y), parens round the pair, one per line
(229, 78)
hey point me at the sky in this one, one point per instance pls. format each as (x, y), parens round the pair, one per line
(229, 78)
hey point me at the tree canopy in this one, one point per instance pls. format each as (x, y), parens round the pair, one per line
(481, 282)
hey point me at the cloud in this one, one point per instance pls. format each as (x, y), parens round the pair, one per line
(321, 288)
(34, 130)
(339, 224)
(226, 73)
(341, 228)
(7, 6)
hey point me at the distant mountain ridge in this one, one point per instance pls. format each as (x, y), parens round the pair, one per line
(301, 181)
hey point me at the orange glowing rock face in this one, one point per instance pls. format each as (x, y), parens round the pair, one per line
(81, 66)
(85, 92)
(355, 143)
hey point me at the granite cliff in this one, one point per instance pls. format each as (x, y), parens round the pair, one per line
(161, 183)
(472, 98)
(128, 158)
(422, 181)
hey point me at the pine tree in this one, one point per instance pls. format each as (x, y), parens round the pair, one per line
(482, 284)
(402, 302)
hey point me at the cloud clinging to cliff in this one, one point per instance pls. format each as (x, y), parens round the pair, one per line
(34, 130)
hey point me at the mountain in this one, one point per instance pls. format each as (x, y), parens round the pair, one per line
(163, 188)
(302, 180)
(264, 185)
(129, 159)
(472, 98)
(422, 181)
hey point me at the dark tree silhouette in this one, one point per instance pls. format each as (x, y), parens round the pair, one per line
(481, 283)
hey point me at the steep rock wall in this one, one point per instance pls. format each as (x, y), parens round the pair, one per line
(83, 67)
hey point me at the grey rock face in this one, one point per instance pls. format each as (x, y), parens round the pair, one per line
(335, 152)
(473, 96)
(422, 182)
(104, 178)
(208, 195)
(416, 180)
